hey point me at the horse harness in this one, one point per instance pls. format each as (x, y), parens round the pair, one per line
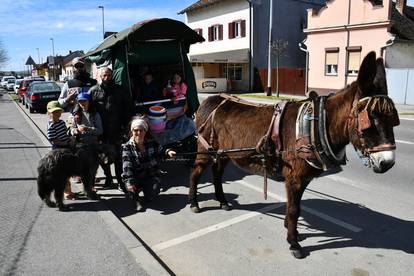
(312, 143)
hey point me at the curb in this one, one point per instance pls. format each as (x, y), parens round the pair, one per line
(132, 243)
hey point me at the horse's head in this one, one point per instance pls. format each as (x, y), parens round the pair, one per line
(373, 116)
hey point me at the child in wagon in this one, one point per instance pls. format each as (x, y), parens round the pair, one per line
(176, 88)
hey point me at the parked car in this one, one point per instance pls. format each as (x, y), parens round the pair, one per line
(23, 87)
(4, 81)
(10, 84)
(16, 85)
(39, 93)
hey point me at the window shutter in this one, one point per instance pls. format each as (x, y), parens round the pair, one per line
(243, 28)
(220, 32)
(331, 58)
(210, 33)
(200, 32)
(231, 30)
(354, 60)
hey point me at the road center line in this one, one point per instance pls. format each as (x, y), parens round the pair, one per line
(306, 209)
(213, 228)
(404, 142)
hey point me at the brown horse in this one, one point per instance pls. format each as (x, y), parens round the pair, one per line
(360, 114)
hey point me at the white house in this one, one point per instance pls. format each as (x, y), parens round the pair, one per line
(220, 63)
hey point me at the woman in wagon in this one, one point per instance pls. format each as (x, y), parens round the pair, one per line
(140, 170)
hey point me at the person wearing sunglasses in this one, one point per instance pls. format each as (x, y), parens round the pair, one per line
(80, 83)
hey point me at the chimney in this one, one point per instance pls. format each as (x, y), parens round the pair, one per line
(70, 52)
(400, 5)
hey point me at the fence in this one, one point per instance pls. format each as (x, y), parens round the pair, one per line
(401, 85)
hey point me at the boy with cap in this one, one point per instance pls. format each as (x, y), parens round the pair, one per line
(56, 128)
(57, 135)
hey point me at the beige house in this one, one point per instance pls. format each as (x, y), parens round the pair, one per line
(339, 35)
(67, 67)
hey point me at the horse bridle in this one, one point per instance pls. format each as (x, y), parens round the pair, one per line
(363, 123)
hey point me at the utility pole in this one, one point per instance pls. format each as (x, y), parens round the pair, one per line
(269, 58)
(53, 58)
(103, 21)
(38, 55)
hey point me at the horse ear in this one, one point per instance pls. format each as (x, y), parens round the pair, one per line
(367, 73)
(380, 80)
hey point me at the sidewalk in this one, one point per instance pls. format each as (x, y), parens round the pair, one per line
(37, 240)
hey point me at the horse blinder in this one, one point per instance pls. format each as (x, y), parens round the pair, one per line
(364, 121)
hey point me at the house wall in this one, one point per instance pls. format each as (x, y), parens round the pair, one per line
(400, 55)
(221, 13)
(329, 28)
(335, 13)
(289, 19)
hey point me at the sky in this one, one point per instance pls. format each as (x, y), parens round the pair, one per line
(26, 25)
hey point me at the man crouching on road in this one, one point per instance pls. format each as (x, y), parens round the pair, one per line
(114, 104)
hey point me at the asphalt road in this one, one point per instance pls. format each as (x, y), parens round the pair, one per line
(354, 222)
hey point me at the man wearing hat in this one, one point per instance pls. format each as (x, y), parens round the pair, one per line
(80, 83)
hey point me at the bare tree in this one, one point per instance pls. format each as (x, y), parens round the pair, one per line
(278, 49)
(3, 55)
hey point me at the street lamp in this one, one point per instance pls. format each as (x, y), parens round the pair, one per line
(53, 58)
(38, 55)
(103, 21)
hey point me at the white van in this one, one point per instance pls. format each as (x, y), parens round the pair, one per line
(4, 80)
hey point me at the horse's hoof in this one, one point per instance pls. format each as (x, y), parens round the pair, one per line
(297, 253)
(50, 204)
(195, 209)
(225, 206)
(63, 208)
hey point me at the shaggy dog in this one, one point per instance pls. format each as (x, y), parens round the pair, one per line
(58, 165)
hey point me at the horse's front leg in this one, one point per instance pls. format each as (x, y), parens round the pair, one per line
(294, 191)
(199, 166)
(218, 170)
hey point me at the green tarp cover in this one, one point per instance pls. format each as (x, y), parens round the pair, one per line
(152, 42)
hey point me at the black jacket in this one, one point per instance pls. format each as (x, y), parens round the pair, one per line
(115, 106)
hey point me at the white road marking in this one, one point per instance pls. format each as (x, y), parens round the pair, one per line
(344, 180)
(407, 119)
(213, 228)
(307, 209)
(404, 142)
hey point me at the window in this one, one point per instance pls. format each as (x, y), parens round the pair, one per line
(237, 29)
(331, 61)
(354, 60)
(235, 72)
(215, 32)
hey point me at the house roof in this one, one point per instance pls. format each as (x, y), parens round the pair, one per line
(198, 5)
(68, 59)
(403, 25)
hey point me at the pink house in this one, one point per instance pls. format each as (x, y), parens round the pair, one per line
(340, 34)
